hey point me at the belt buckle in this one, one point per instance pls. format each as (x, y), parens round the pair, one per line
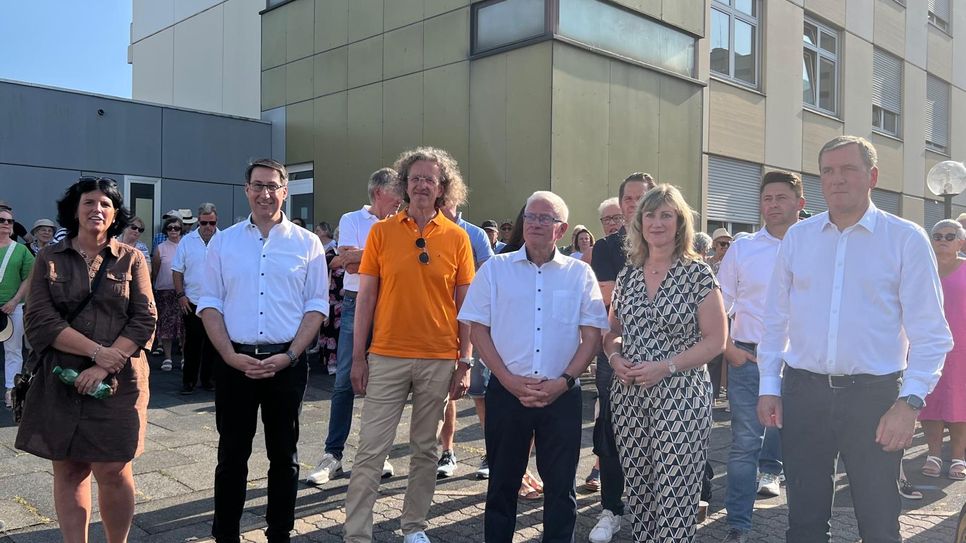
(831, 382)
(257, 349)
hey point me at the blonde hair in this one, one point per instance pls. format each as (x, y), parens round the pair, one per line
(637, 248)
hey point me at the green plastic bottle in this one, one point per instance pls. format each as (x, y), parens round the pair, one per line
(68, 376)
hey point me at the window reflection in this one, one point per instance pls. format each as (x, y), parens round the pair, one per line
(509, 21)
(744, 51)
(720, 40)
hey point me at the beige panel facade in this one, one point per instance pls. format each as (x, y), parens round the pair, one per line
(736, 122)
(817, 129)
(912, 208)
(856, 86)
(153, 68)
(832, 11)
(914, 129)
(890, 27)
(198, 78)
(890, 162)
(940, 48)
(782, 77)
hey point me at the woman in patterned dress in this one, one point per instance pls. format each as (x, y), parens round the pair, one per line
(667, 321)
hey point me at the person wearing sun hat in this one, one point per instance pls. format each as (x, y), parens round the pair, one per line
(721, 239)
(43, 233)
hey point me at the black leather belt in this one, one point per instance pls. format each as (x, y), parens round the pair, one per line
(264, 349)
(844, 381)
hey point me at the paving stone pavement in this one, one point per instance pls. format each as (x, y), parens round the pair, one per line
(175, 477)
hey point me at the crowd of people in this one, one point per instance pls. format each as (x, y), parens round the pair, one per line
(831, 336)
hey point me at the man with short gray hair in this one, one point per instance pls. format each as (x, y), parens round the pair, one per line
(536, 318)
(353, 230)
(188, 272)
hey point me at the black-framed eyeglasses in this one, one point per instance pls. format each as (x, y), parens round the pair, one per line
(260, 187)
(173, 229)
(612, 219)
(207, 223)
(138, 228)
(948, 237)
(423, 255)
(723, 244)
(542, 218)
(6, 221)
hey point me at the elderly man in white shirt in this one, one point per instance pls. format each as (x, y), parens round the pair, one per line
(353, 230)
(266, 293)
(188, 275)
(855, 312)
(536, 318)
(744, 276)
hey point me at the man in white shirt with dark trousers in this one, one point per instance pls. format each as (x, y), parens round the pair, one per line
(266, 293)
(855, 312)
(536, 317)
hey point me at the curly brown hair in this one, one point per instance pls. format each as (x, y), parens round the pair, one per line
(454, 189)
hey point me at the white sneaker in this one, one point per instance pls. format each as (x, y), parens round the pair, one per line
(607, 526)
(446, 466)
(416, 537)
(769, 485)
(329, 467)
(166, 365)
(387, 469)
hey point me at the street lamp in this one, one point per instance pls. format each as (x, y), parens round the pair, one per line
(947, 179)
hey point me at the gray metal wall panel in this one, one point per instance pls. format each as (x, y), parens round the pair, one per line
(33, 192)
(242, 209)
(211, 148)
(58, 129)
(179, 194)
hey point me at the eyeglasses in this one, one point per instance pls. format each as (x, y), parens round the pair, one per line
(423, 256)
(138, 228)
(935, 237)
(6, 221)
(612, 219)
(173, 229)
(259, 187)
(723, 244)
(207, 223)
(543, 219)
(422, 179)
(506, 228)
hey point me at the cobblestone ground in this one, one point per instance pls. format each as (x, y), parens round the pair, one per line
(175, 478)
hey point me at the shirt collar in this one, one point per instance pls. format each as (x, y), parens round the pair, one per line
(66, 243)
(764, 233)
(403, 216)
(868, 220)
(367, 211)
(521, 256)
(284, 226)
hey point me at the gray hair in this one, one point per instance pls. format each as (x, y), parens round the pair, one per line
(607, 203)
(950, 223)
(869, 156)
(380, 179)
(207, 208)
(702, 243)
(556, 202)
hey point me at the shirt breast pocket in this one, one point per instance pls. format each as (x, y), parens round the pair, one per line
(119, 283)
(565, 306)
(59, 283)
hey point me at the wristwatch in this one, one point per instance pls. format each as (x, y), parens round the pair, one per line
(292, 357)
(913, 401)
(570, 380)
(468, 361)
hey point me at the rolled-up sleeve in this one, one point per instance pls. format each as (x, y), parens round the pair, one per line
(316, 290)
(42, 322)
(177, 264)
(775, 337)
(592, 310)
(141, 311)
(213, 288)
(923, 319)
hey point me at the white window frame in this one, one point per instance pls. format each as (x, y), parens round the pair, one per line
(821, 54)
(727, 7)
(298, 186)
(939, 15)
(879, 112)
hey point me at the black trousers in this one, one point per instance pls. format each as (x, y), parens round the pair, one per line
(556, 431)
(821, 423)
(237, 400)
(605, 445)
(199, 353)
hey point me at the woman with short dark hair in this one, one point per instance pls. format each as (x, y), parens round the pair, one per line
(91, 311)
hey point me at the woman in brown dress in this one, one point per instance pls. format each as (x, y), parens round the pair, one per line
(104, 342)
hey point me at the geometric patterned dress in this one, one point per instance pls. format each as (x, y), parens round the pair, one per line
(662, 432)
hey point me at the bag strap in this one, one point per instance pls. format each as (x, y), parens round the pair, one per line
(6, 258)
(94, 284)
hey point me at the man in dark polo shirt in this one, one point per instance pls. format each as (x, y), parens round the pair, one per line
(608, 260)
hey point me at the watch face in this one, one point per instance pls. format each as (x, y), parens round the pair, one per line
(915, 402)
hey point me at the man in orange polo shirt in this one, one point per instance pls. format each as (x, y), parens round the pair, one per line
(414, 274)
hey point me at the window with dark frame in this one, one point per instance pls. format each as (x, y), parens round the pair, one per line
(820, 59)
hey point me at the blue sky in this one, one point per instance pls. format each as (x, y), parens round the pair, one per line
(73, 44)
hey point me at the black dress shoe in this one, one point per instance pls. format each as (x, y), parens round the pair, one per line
(187, 389)
(209, 387)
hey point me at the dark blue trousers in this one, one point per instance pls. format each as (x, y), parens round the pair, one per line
(556, 430)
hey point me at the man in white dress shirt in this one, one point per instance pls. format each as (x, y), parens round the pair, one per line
(353, 230)
(188, 272)
(855, 312)
(536, 317)
(266, 293)
(744, 276)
